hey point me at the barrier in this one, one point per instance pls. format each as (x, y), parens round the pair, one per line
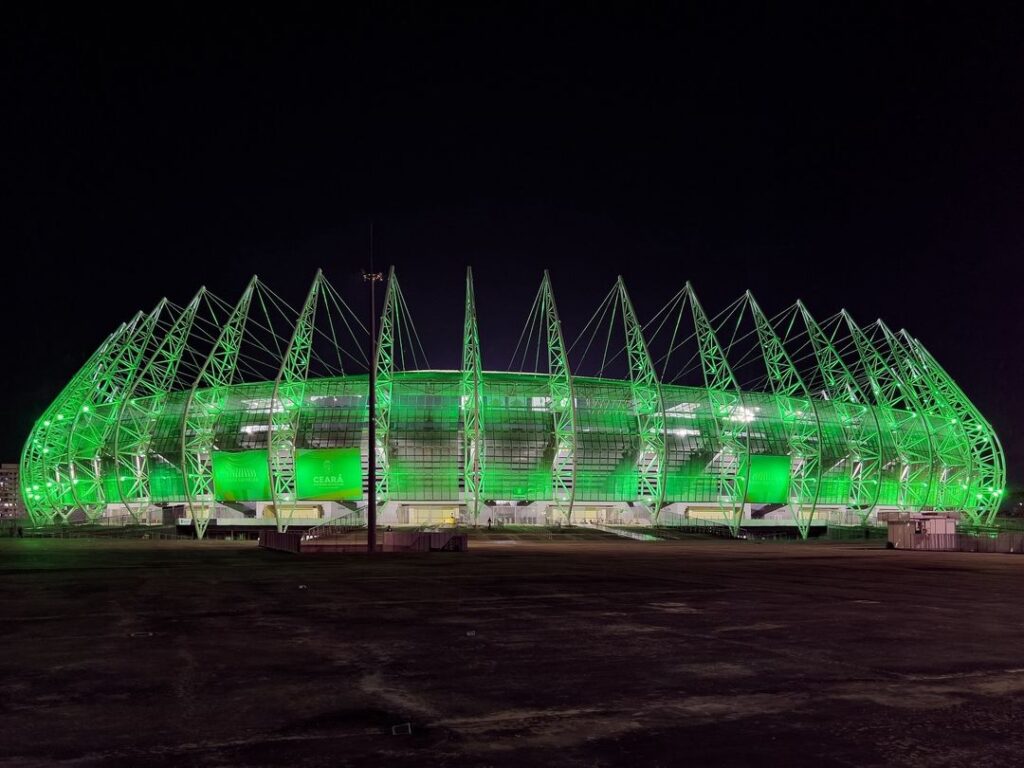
(283, 542)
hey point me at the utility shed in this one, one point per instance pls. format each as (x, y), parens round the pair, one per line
(928, 531)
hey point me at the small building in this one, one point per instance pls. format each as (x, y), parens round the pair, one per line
(935, 531)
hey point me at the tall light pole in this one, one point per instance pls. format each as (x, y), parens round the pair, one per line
(371, 490)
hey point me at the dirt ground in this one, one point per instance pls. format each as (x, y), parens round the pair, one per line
(626, 653)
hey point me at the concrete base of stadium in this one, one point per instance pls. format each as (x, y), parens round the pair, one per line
(241, 517)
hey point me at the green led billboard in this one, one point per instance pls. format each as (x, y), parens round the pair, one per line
(328, 474)
(241, 476)
(769, 480)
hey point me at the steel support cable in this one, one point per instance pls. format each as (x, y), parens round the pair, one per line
(398, 335)
(343, 311)
(679, 298)
(269, 327)
(340, 371)
(673, 346)
(415, 334)
(603, 310)
(405, 333)
(690, 365)
(662, 317)
(526, 326)
(538, 348)
(683, 302)
(608, 339)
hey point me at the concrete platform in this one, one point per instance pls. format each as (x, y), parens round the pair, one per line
(516, 653)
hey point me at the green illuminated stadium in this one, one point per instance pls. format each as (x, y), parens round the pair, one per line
(255, 411)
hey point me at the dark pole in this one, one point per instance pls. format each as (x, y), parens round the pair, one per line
(371, 491)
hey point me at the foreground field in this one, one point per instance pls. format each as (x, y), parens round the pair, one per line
(622, 653)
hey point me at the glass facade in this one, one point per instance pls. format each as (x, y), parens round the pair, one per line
(425, 454)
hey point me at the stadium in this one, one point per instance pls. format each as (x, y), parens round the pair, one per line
(255, 413)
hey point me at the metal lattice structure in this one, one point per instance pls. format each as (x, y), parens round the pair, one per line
(472, 401)
(799, 416)
(205, 402)
(901, 417)
(141, 407)
(286, 406)
(212, 410)
(648, 405)
(730, 416)
(861, 438)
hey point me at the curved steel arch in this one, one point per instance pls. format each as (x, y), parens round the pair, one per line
(950, 448)
(202, 409)
(472, 386)
(725, 399)
(649, 409)
(861, 428)
(34, 476)
(142, 404)
(285, 404)
(898, 407)
(563, 403)
(95, 419)
(988, 480)
(803, 434)
(60, 483)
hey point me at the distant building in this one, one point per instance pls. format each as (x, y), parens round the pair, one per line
(10, 497)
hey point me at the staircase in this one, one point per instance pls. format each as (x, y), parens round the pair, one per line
(759, 512)
(635, 535)
(338, 526)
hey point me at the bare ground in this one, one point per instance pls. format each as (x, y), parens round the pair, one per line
(621, 653)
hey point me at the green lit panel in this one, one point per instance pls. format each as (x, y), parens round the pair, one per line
(245, 421)
(166, 438)
(84, 493)
(335, 416)
(690, 446)
(766, 432)
(104, 489)
(768, 438)
(424, 450)
(769, 480)
(328, 474)
(111, 494)
(835, 464)
(518, 437)
(241, 476)
(335, 413)
(952, 463)
(165, 482)
(607, 442)
(922, 489)
(890, 486)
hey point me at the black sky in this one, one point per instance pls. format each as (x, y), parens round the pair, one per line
(867, 159)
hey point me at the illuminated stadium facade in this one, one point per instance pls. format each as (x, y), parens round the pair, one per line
(256, 412)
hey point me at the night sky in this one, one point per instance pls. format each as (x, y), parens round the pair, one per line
(867, 159)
